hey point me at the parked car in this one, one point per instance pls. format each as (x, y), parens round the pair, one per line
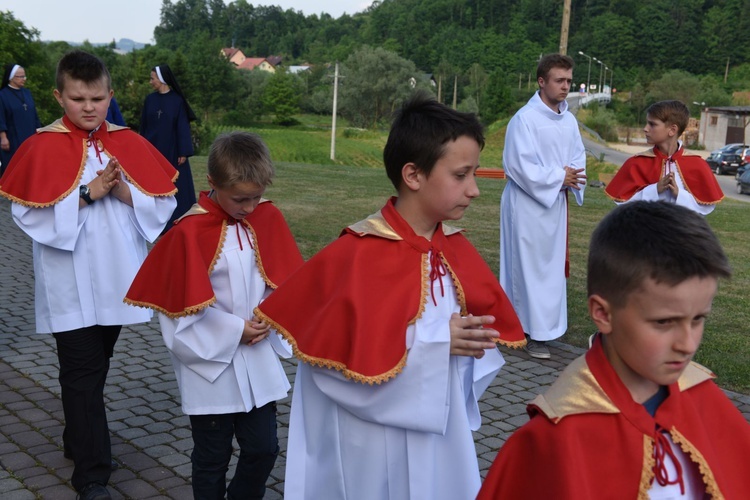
(730, 147)
(745, 164)
(743, 183)
(724, 162)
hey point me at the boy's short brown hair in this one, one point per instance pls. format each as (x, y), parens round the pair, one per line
(237, 157)
(550, 61)
(658, 240)
(671, 113)
(80, 65)
(419, 132)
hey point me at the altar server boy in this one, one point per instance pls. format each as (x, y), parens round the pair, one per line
(89, 194)
(204, 277)
(635, 417)
(395, 325)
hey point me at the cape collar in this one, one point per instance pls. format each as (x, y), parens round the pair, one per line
(590, 385)
(387, 223)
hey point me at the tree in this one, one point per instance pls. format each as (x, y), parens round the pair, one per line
(375, 82)
(477, 83)
(21, 45)
(674, 84)
(281, 97)
(498, 98)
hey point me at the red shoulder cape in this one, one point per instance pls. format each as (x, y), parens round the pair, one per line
(49, 164)
(588, 439)
(349, 306)
(647, 168)
(175, 277)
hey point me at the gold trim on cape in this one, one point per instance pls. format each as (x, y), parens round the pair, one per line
(327, 363)
(576, 391)
(712, 487)
(647, 471)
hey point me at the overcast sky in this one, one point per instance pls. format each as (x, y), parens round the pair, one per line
(100, 21)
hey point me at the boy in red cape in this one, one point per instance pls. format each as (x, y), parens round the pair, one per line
(666, 172)
(89, 194)
(395, 325)
(204, 277)
(634, 417)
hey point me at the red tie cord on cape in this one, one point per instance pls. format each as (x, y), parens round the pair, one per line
(437, 271)
(95, 143)
(247, 235)
(662, 448)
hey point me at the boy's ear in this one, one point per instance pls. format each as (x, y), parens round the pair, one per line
(58, 96)
(672, 129)
(210, 181)
(600, 311)
(410, 176)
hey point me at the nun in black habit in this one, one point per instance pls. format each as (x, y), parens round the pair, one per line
(165, 122)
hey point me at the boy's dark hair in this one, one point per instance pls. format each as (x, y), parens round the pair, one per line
(671, 113)
(420, 131)
(662, 241)
(80, 65)
(550, 61)
(237, 157)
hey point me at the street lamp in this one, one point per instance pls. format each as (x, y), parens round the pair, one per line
(604, 83)
(588, 78)
(600, 73)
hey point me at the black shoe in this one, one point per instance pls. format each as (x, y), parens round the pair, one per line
(94, 491)
(113, 464)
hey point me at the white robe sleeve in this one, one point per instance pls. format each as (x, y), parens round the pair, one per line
(57, 226)
(523, 164)
(684, 197)
(579, 161)
(205, 342)
(416, 399)
(687, 200)
(419, 398)
(151, 213)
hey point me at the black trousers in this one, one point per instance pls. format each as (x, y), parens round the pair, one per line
(84, 362)
(212, 438)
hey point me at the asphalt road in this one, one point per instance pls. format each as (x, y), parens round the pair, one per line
(598, 149)
(727, 182)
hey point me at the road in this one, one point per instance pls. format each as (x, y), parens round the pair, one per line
(727, 182)
(610, 155)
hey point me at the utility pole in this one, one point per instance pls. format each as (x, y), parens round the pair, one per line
(455, 90)
(726, 71)
(335, 101)
(564, 29)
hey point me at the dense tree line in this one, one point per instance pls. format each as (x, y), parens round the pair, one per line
(634, 37)
(639, 40)
(486, 49)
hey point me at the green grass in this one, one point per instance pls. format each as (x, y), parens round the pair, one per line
(312, 145)
(318, 200)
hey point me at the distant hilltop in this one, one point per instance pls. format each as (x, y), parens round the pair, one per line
(128, 45)
(124, 46)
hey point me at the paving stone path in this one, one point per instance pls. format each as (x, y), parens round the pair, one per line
(150, 435)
